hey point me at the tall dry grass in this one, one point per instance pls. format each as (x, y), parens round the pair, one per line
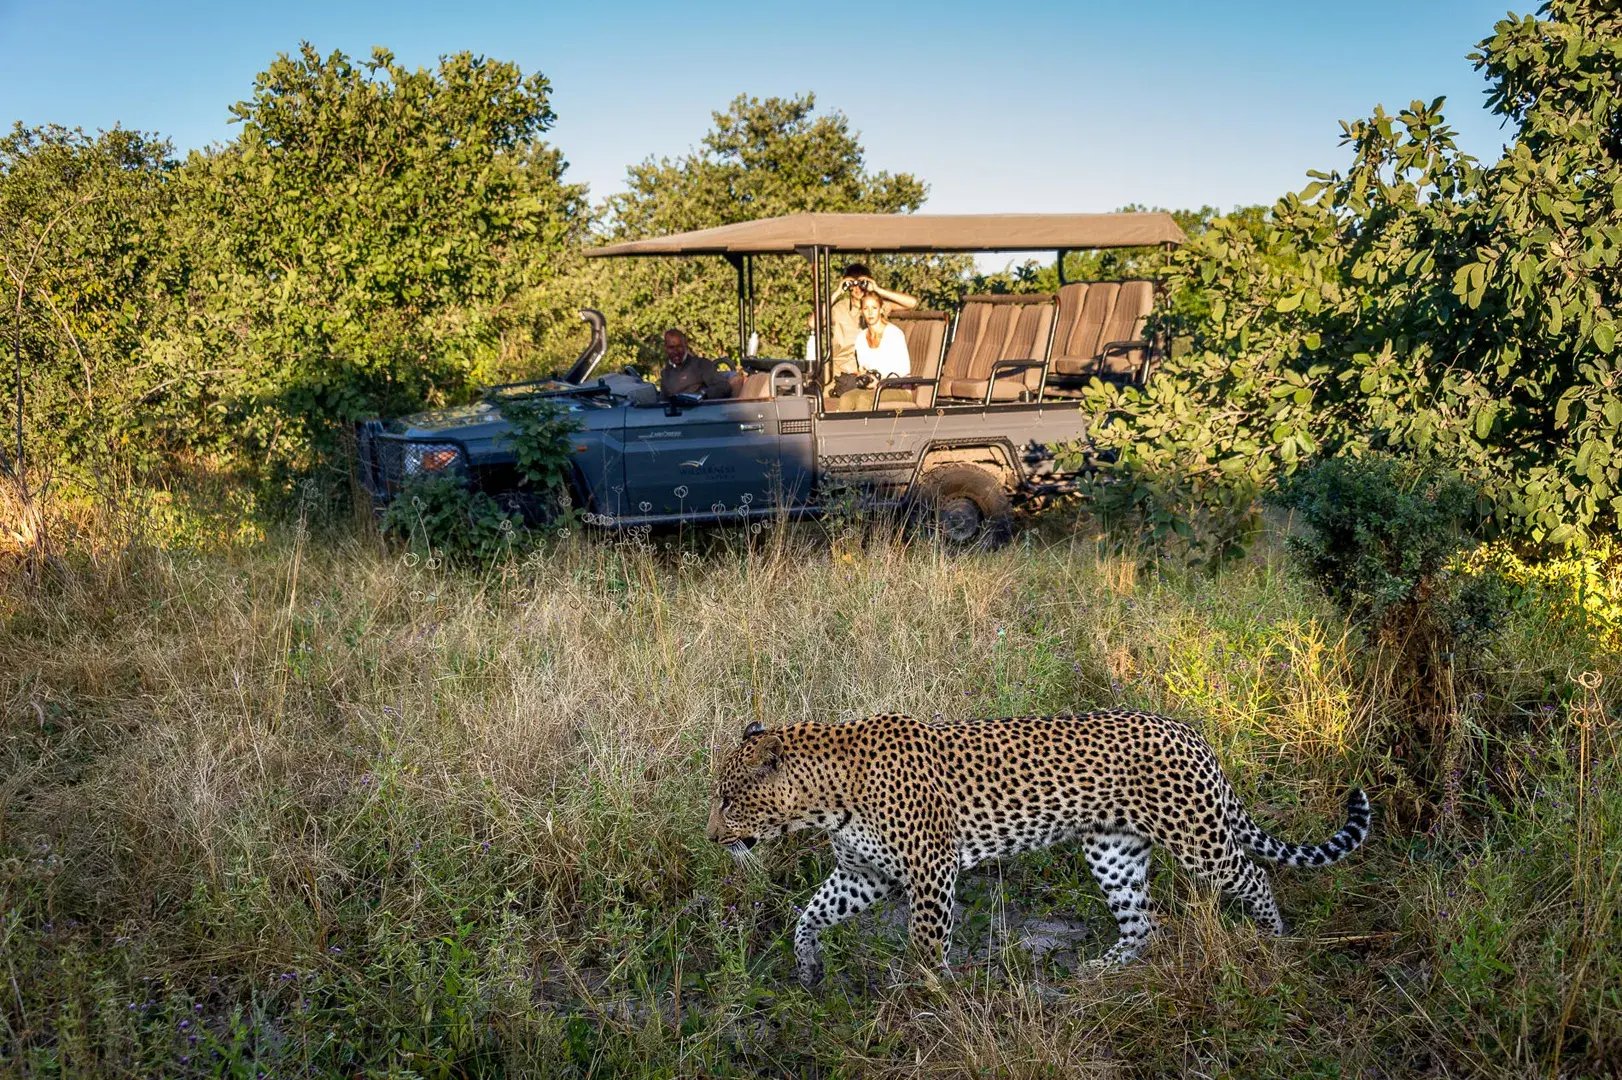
(309, 807)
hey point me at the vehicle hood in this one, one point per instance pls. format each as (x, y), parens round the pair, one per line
(482, 422)
(439, 421)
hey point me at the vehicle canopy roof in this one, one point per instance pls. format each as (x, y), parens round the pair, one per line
(911, 233)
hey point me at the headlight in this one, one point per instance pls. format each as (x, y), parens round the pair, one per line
(430, 457)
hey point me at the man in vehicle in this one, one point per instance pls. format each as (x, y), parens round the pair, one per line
(685, 372)
(846, 323)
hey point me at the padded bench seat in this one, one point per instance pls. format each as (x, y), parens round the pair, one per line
(1100, 330)
(992, 330)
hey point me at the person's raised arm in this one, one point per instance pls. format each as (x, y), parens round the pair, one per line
(890, 296)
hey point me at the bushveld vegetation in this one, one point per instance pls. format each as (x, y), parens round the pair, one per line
(281, 797)
(310, 806)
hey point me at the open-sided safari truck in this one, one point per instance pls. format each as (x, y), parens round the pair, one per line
(990, 394)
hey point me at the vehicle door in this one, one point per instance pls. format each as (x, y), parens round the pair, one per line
(796, 426)
(712, 457)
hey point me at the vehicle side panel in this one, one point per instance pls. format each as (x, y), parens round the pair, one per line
(886, 451)
(709, 455)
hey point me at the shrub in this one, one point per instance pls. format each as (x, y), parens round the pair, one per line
(1387, 539)
(540, 446)
(1419, 301)
(441, 518)
(1385, 535)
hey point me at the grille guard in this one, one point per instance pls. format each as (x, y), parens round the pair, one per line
(385, 461)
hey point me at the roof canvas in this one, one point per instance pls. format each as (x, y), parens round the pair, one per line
(897, 233)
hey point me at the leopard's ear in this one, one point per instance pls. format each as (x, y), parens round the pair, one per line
(765, 753)
(755, 728)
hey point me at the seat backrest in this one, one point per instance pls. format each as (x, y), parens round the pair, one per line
(926, 343)
(1001, 327)
(1033, 329)
(1084, 307)
(1133, 302)
(971, 320)
(756, 386)
(1093, 314)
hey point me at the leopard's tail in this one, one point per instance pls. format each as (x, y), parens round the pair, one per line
(1350, 837)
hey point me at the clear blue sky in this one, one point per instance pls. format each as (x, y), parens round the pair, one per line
(1000, 107)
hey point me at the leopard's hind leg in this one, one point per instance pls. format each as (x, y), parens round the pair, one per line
(1120, 864)
(1219, 859)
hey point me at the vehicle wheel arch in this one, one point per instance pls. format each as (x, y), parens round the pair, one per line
(963, 506)
(576, 495)
(995, 456)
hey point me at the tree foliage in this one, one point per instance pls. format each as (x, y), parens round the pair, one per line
(88, 274)
(764, 157)
(1112, 264)
(374, 239)
(1420, 301)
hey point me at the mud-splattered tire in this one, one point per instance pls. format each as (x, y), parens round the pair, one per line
(964, 508)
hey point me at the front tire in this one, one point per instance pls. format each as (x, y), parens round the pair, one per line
(538, 509)
(964, 507)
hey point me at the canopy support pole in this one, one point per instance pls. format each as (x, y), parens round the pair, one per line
(740, 263)
(821, 299)
(749, 288)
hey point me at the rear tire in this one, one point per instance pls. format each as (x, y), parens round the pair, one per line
(964, 508)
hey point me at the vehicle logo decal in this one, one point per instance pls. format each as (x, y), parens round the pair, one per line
(697, 463)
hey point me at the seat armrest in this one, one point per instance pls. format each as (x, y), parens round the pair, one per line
(1009, 365)
(1124, 347)
(899, 382)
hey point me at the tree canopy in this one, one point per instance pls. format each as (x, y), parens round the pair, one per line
(1421, 301)
(83, 231)
(376, 238)
(763, 158)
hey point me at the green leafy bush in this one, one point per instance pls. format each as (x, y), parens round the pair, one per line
(1389, 540)
(441, 519)
(1419, 301)
(89, 267)
(540, 444)
(375, 239)
(1384, 536)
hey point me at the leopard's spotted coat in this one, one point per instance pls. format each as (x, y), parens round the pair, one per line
(909, 804)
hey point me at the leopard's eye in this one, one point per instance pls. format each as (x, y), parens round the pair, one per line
(726, 804)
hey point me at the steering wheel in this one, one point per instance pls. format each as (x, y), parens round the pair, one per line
(786, 376)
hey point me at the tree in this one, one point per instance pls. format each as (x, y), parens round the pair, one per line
(376, 238)
(762, 159)
(83, 236)
(1420, 301)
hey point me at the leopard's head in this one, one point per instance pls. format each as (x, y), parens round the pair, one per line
(754, 800)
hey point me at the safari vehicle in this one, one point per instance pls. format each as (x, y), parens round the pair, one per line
(992, 392)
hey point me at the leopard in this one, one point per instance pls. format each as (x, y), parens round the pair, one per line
(909, 804)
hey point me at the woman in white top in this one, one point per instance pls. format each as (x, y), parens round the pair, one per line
(881, 351)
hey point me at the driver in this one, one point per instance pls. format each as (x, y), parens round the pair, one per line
(685, 372)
